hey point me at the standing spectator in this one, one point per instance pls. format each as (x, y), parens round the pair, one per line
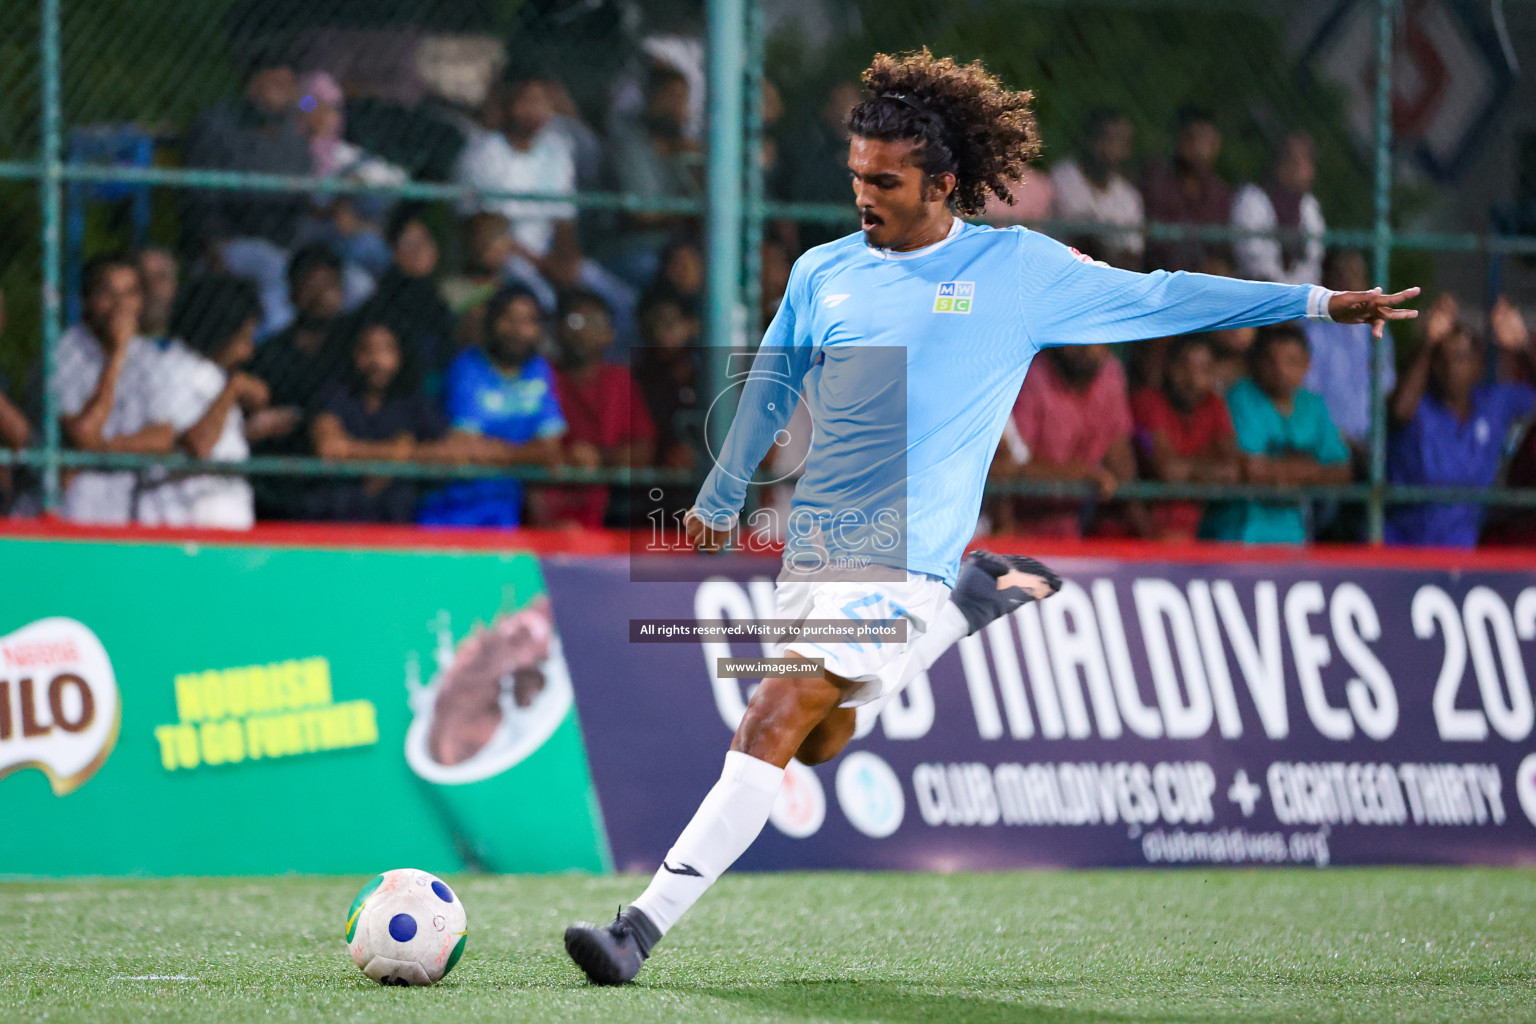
(504, 393)
(1230, 350)
(15, 431)
(1515, 526)
(680, 276)
(1032, 198)
(1231, 346)
(531, 153)
(1073, 421)
(104, 379)
(298, 362)
(608, 425)
(775, 266)
(487, 247)
(1184, 433)
(586, 145)
(203, 394)
(296, 365)
(813, 163)
(527, 155)
(769, 153)
(668, 372)
(250, 232)
(161, 275)
(374, 412)
(1096, 189)
(1341, 358)
(407, 297)
(1188, 191)
(348, 222)
(1291, 251)
(1286, 438)
(1452, 425)
(652, 157)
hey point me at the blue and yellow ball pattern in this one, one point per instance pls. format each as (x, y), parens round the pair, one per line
(406, 927)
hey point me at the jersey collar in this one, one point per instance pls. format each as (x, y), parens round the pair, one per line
(955, 227)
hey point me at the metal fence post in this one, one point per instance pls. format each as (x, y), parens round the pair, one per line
(752, 224)
(50, 185)
(727, 20)
(1382, 260)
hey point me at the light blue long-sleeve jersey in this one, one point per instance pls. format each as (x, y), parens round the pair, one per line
(970, 312)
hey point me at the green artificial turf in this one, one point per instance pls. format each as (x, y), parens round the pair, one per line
(1061, 948)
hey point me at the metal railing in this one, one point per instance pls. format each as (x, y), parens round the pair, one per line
(735, 209)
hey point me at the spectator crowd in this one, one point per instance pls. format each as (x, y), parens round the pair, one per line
(519, 329)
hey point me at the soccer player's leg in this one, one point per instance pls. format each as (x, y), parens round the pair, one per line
(812, 717)
(989, 587)
(781, 713)
(829, 737)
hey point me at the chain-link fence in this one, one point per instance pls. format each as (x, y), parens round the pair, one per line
(379, 261)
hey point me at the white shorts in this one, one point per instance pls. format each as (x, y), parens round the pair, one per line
(878, 667)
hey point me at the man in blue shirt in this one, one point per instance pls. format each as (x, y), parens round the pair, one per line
(1452, 424)
(967, 307)
(504, 392)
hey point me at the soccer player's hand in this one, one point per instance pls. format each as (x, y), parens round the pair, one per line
(704, 537)
(1371, 307)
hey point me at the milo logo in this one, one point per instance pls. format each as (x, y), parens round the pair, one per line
(59, 707)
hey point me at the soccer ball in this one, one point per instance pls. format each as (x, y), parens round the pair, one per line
(406, 927)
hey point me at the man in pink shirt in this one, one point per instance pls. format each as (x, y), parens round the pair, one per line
(1188, 191)
(1073, 422)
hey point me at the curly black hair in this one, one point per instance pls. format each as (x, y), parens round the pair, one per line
(965, 120)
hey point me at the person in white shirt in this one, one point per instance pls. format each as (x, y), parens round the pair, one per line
(1292, 251)
(527, 154)
(524, 149)
(201, 392)
(103, 376)
(1096, 189)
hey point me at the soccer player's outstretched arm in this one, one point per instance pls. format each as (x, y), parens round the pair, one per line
(768, 399)
(1071, 300)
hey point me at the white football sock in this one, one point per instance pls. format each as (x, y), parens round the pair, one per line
(726, 823)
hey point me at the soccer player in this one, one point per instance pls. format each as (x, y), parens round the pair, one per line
(930, 140)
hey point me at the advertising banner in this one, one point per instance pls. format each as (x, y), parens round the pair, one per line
(1153, 712)
(170, 708)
